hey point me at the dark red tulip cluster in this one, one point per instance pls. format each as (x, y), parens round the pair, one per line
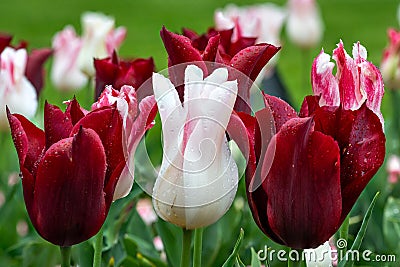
(238, 52)
(69, 170)
(116, 72)
(304, 178)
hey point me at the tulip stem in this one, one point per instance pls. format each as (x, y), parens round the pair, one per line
(186, 247)
(98, 247)
(65, 256)
(295, 258)
(343, 234)
(198, 246)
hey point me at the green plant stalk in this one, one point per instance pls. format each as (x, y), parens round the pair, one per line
(98, 247)
(198, 247)
(298, 262)
(344, 234)
(186, 247)
(65, 256)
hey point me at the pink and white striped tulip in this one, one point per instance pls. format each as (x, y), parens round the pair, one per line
(357, 80)
(16, 91)
(66, 74)
(198, 177)
(137, 118)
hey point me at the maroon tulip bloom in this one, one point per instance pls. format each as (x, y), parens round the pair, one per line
(69, 170)
(303, 181)
(221, 47)
(34, 67)
(116, 72)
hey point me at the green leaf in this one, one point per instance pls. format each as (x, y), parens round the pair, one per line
(232, 259)
(349, 261)
(255, 262)
(391, 222)
(171, 235)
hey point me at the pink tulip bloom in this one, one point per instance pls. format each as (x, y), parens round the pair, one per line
(390, 65)
(393, 169)
(144, 208)
(66, 74)
(137, 118)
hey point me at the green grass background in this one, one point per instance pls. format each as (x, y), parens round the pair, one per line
(350, 20)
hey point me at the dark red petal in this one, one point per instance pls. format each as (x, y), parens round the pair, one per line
(5, 41)
(211, 49)
(57, 125)
(29, 141)
(189, 33)
(74, 111)
(362, 147)
(281, 110)
(34, 67)
(241, 130)
(303, 185)
(106, 73)
(69, 197)
(179, 48)
(107, 123)
(309, 105)
(134, 73)
(252, 59)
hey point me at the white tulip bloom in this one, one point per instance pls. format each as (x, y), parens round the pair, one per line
(198, 177)
(16, 91)
(304, 24)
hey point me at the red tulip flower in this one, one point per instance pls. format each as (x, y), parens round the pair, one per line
(303, 181)
(221, 47)
(70, 170)
(115, 72)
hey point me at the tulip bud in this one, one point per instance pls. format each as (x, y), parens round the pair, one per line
(198, 178)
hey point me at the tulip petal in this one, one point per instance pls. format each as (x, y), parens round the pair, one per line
(210, 52)
(106, 73)
(251, 60)
(66, 189)
(107, 122)
(362, 144)
(351, 95)
(5, 41)
(180, 50)
(303, 185)
(324, 84)
(133, 135)
(309, 105)
(57, 125)
(74, 111)
(34, 67)
(29, 141)
(281, 110)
